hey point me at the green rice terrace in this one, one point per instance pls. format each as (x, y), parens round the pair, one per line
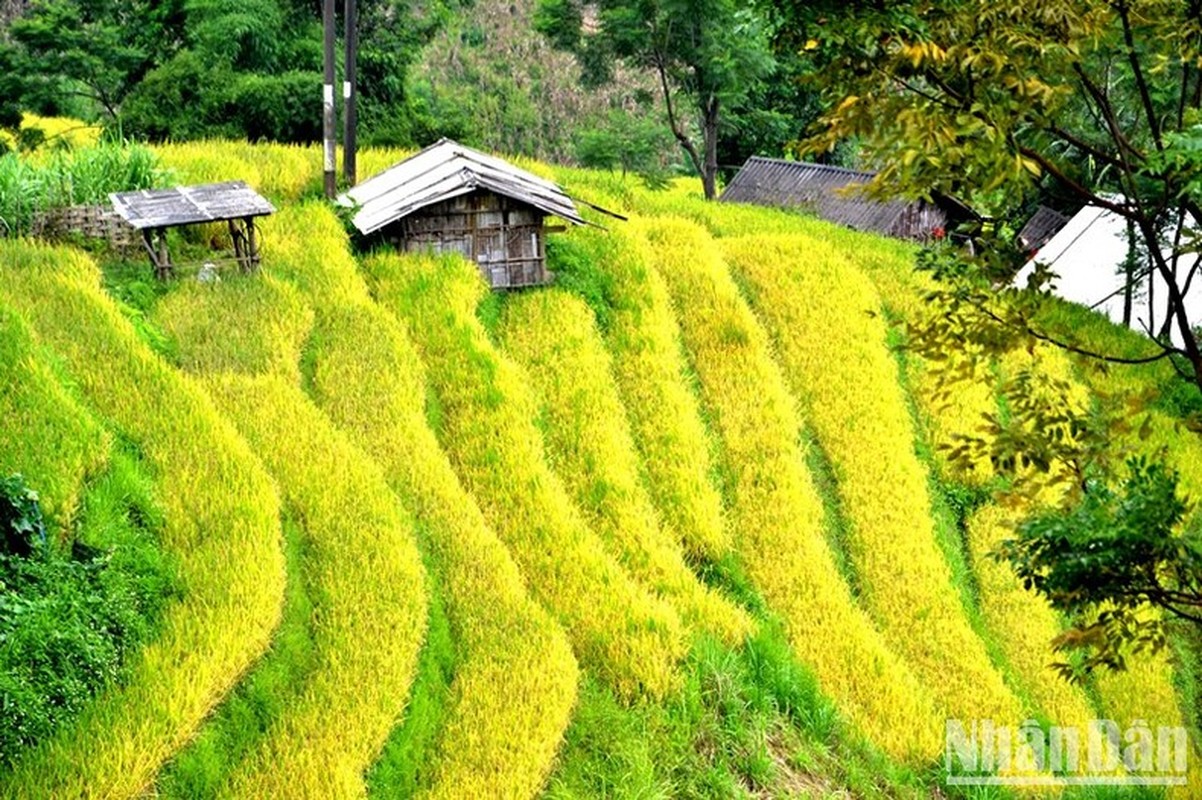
(686, 522)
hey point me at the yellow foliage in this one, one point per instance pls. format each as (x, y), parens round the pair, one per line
(777, 514)
(554, 337)
(222, 522)
(627, 637)
(46, 435)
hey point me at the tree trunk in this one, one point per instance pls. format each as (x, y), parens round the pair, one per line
(709, 133)
(1129, 268)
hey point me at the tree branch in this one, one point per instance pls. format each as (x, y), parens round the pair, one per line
(1026, 328)
(1141, 83)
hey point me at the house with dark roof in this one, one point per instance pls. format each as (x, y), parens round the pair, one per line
(837, 194)
(449, 198)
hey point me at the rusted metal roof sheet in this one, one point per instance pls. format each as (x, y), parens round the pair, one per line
(186, 205)
(836, 194)
(445, 170)
(1040, 228)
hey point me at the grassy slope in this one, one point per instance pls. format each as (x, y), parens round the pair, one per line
(723, 722)
(221, 520)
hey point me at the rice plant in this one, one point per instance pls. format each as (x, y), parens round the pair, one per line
(776, 512)
(824, 318)
(553, 336)
(515, 678)
(627, 636)
(221, 520)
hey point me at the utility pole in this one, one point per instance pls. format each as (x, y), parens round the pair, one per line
(351, 116)
(327, 97)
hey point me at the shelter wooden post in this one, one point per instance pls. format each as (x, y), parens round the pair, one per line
(252, 245)
(236, 238)
(160, 258)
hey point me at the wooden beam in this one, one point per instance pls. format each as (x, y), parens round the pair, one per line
(252, 243)
(164, 255)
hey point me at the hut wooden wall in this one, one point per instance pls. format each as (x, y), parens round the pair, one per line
(504, 237)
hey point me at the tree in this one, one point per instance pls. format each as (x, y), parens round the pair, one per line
(708, 53)
(1117, 551)
(94, 49)
(1098, 99)
(1095, 100)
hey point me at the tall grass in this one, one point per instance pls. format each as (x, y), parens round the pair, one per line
(514, 681)
(221, 521)
(629, 638)
(777, 514)
(70, 177)
(553, 336)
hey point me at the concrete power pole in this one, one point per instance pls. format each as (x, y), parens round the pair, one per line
(327, 97)
(351, 116)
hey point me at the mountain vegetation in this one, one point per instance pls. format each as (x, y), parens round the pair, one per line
(744, 504)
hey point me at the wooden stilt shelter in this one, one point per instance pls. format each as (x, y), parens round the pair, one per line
(153, 211)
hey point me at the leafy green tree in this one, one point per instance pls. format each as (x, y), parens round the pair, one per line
(1116, 552)
(93, 49)
(710, 54)
(12, 89)
(1100, 100)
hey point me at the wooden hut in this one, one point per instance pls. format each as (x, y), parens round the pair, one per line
(452, 199)
(835, 194)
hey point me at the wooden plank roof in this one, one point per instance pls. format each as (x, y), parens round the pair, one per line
(186, 205)
(444, 170)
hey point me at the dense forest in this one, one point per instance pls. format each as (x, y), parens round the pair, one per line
(478, 71)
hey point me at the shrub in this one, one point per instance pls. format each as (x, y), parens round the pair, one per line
(22, 531)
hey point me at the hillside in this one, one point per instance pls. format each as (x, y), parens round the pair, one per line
(679, 525)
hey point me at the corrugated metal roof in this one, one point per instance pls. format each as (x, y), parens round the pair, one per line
(828, 191)
(185, 205)
(1040, 228)
(444, 170)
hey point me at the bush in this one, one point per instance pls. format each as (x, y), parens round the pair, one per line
(21, 527)
(69, 620)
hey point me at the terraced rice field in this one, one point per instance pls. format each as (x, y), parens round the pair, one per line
(678, 525)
